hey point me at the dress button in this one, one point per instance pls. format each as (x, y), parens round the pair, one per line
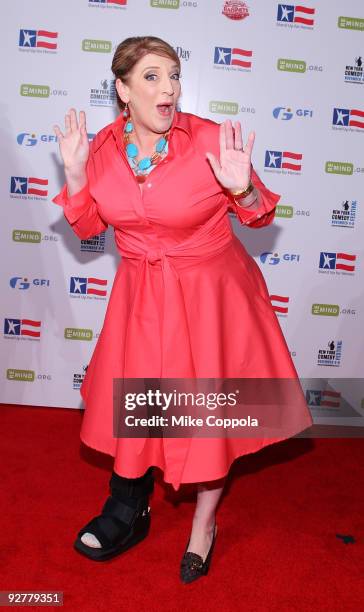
(258, 216)
(149, 184)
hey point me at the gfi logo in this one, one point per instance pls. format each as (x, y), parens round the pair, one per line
(285, 113)
(273, 258)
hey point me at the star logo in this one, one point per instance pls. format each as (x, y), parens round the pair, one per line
(272, 159)
(340, 116)
(11, 326)
(222, 56)
(285, 13)
(327, 259)
(314, 398)
(27, 37)
(77, 285)
(18, 185)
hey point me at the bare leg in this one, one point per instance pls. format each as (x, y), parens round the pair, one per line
(208, 496)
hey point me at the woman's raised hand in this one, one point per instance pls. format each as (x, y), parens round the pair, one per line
(233, 170)
(73, 144)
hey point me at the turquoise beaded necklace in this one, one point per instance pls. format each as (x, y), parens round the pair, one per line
(146, 164)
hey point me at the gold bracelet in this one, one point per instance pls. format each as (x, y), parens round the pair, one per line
(247, 201)
(243, 193)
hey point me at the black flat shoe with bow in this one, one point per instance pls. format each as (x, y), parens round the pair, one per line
(192, 564)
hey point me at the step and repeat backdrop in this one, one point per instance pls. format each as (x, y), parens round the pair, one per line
(294, 73)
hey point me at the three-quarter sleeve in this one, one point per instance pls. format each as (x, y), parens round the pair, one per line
(264, 214)
(80, 209)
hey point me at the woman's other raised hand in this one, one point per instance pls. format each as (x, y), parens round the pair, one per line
(73, 144)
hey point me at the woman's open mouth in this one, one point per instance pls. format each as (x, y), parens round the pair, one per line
(165, 109)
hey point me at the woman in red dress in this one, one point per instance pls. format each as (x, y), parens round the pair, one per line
(188, 301)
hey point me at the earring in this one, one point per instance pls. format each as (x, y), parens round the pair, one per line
(126, 111)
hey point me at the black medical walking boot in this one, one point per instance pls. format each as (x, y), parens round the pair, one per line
(124, 520)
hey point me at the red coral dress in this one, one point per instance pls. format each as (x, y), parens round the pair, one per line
(187, 301)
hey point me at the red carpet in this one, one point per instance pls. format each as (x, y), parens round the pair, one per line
(276, 549)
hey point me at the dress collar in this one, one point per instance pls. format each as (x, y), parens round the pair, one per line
(181, 121)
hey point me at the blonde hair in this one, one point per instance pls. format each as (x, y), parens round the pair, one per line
(131, 50)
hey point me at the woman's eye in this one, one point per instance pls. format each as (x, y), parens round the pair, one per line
(150, 77)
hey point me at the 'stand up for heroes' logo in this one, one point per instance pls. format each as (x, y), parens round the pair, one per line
(289, 13)
(283, 160)
(23, 185)
(41, 39)
(22, 327)
(232, 56)
(337, 261)
(329, 399)
(88, 286)
(346, 117)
